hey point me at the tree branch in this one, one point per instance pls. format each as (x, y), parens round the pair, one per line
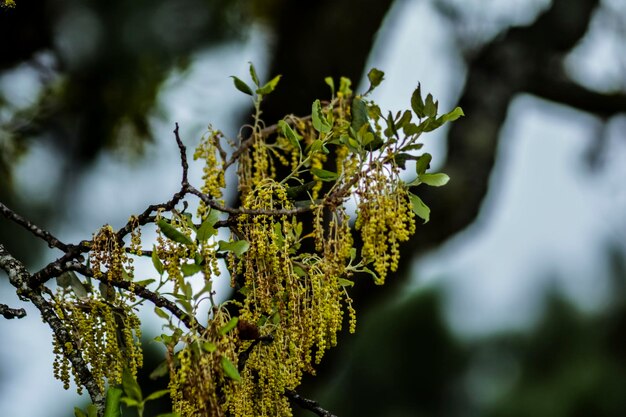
(52, 241)
(12, 313)
(308, 404)
(238, 211)
(564, 91)
(183, 156)
(59, 266)
(19, 278)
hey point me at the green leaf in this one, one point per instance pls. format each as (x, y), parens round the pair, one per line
(372, 273)
(417, 104)
(229, 369)
(344, 86)
(213, 217)
(453, 115)
(157, 394)
(79, 289)
(209, 347)
(161, 313)
(299, 271)
(434, 180)
(419, 207)
(324, 175)
(238, 247)
(431, 124)
(107, 291)
(145, 282)
(404, 120)
(190, 269)
(331, 83)
(185, 304)
(79, 413)
(172, 233)
(366, 135)
(255, 78)
(359, 114)
(276, 318)
(412, 129)
(92, 410)
(375, 77)
(198, 259)
(289, 133)
(320, 123)
(391, 129)
(206, 230)
(278, 234)
(316, 146)
(345, 282)
(130, 385)
(241, 86)
(299, 190)
(422, 164)
(189, 221)
(269, 86)
(158, 265)
(430, 108)
(187, 290)
(414, 147)
(130, 402)
(232, 323)
(401, 158)
(360, 123)
(65, 279)
(126, 276)
(161, 370)
(112, 404)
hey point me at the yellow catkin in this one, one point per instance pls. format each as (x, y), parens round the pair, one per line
(108, 335)
(291, 304)
(212, 172)
(384, 219)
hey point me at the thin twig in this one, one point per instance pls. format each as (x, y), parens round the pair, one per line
(308, 404)
(52, 241)
(148, 253)
(183, 156)
(245, 144)
(253, 212)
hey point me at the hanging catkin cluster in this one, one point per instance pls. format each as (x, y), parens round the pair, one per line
(101, 322)
(289, 248)
(384, 219)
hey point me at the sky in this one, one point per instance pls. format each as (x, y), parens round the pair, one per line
(542, 225)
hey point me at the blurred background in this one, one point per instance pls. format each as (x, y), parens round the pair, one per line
(511, 301)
